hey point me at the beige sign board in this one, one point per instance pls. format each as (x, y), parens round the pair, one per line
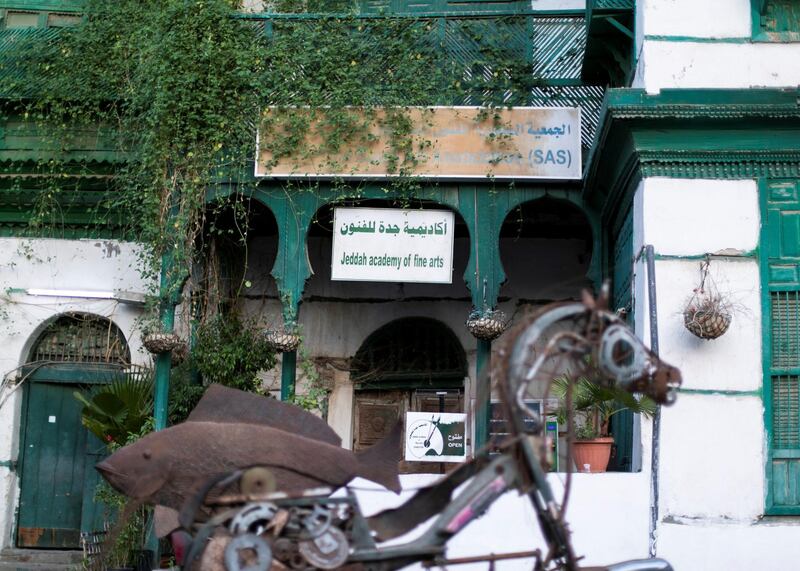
(454, 143)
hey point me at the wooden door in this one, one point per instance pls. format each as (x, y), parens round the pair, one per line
(58, 479)
(376, 412)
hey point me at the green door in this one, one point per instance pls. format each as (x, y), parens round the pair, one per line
(57, 471)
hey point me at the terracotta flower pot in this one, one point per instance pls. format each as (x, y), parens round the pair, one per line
(592, 455)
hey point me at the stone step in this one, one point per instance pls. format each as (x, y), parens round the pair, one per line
(28, 566)
(40, 557)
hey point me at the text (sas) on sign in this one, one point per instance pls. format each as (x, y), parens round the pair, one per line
(392, 245)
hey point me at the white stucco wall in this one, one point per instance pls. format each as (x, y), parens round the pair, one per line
(706, 19)
(558, 4)
(607, 514)
(91, 265)
(690, 44)
(713, 439)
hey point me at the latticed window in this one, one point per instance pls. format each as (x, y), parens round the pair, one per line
(414, 350)
(81, 338)
(781, 242)
(427, 6)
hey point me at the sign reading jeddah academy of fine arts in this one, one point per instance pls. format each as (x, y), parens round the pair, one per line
(392, 245)
(458, 143)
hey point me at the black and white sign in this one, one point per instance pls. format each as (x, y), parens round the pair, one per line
(436, 437)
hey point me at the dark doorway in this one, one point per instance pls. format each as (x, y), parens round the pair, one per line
(411, 364)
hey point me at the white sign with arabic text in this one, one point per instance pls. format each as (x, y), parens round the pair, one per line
(392, 245)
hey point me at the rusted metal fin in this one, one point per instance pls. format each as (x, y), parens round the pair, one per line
(223, 404)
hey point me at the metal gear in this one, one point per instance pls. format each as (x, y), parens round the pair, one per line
(328, 551)
(248, 542)
(253, 518)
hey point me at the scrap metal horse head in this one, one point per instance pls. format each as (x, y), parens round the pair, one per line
(593, 338)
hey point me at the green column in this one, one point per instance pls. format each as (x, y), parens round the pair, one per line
(164, 360)
(483, 276)
(163, 367)
(288, 371)
(482, 411)
(291, 270)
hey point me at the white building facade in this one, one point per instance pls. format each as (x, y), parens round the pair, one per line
(697, 154)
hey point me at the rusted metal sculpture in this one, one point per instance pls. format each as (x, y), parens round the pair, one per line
(167, 467)
(238, 523)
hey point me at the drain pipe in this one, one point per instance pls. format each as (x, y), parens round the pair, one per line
(656, 443)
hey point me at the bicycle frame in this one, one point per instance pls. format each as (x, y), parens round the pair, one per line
(486, 479)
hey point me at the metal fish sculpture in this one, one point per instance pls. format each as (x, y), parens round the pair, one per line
(166, 467)
(223, 404)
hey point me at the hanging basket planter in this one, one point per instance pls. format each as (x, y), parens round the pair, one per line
(487, 325)
(707, 314)
(282, 341)
(157, 343)
(707, 318)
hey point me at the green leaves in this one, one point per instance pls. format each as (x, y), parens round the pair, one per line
(120, 409)
(597, 403)
(165, 97)
(231, 352)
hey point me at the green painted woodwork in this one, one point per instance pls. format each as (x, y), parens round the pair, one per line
(691, 133)
(609, 58)
(170, 287)
(428, 6)
(57, 473)
(553, 44)
(720, 392)
(483, 411)
(288, 374)
(780, 279)
(696, 39)
(621, 272)
(483, 207)
(54, 5)
(775, 20)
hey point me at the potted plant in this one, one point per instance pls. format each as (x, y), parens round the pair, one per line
(593, 405)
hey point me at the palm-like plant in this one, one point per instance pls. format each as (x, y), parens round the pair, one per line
(120, 408)
(597, 403)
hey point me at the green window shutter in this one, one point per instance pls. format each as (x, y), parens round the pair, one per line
(621, 275)
(782, 343)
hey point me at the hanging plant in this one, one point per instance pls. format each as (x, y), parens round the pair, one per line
(707, 314)
(156, 343)
(283, 341)
(487, 324)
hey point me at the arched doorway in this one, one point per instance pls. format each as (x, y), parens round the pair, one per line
(410, 364)
(57, 454)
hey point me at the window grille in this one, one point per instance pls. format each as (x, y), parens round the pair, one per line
(82, 338)
(412, 349)
(785, 315)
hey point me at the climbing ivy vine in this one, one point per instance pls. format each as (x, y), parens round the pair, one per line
(175, 91)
